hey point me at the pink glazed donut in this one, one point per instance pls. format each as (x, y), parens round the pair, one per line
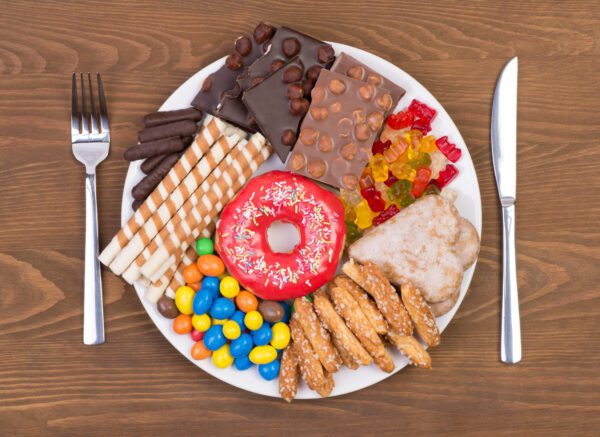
(242, 243)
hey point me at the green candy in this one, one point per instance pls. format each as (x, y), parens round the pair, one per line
(204, 246)
(399, 189)
(353, 233)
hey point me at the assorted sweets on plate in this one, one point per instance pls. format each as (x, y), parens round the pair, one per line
(362, 185)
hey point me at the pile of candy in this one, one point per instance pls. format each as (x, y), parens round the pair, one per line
(406, 164)
(227, 323)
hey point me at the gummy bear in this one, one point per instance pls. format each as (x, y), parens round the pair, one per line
(431, 189)
(403, 171)
(398, 190)
(350, 197)
(421, 181)
(373, 198)
(423, 160)
(421, 110)
(391, 179)
(396, 149)
(449, 149)
(445, 176)
(386, 214)
(353, 233)
(364, 217)
(366, 178)
(400, 120)
(380, 147)
(379, 168)
(427, 144)
(422, 125)
(406, 200)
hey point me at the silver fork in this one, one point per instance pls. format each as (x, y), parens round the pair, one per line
(90, 147)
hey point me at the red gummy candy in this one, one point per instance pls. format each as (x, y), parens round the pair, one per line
(454, 155)
(373, 198)
(385, 215)
(421, 110)
(400, 120)
(449, 149)
(420, 182)
(445, 176)
(422, 124)
(391, 179)
(380, 147)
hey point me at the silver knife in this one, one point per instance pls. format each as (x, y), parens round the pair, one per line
(504, 156)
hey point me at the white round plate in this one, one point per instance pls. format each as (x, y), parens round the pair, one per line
(468, 203)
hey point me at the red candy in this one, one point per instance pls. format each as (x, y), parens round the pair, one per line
(380, 147)
(420, 182)
(421, 110)
(449, 149)
(422, 124)
(391, 179)
(387, 214)
(400, 120)
(373, 198)
(197, 335)
(445, 176)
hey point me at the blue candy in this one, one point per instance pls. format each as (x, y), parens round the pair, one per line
(214, 338)
(242, 363)
(238, 317)
(269, 371)
(288, 311)
(241, 346)
(262, 335)
(222, 308)
(211, 283)
(202, 302)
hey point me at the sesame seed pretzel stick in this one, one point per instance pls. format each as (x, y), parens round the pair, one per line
(234, 176)
(213, 129)
(172, 206)
(420, 313)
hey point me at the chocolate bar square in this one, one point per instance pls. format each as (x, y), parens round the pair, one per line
(335, 139)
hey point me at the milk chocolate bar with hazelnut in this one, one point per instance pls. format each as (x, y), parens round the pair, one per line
(335, 139)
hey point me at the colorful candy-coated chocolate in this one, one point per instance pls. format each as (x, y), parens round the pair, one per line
(269, 371)
(262, 354)
(201, 322)
(195, 334)
(218, 321)
(222, 308)
(271, 311)
(421, 110)
(203, 301)
(253, 320)
(222, 357)
(211, 283)
(262, 335)
(210, 265)
(182, 324)
(231, 330)
(184, 298)
(373, 198)
(238, 317)
(199, 351)
(191, 274)
(229, 287)
(379, 168)
(214, 338)
(241, 346)
(196, 286)
(166, 306)
(280, 337)
(364, 216)
(445, 176)
(204, 246)
(246, 301)
(242, 363)
(386, 214)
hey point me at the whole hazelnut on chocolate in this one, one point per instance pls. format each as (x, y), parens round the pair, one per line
(374, 79)
(325, 54)
(313, 72)
(207, 84)
(325, 143)
(290, 47)
(350, 181)
(319, 112)
(243, 45)
(316, 168)
(294, 91)
(276, 65)
(299, 106)
(336, 86)
(297, 161)
(348, 151)
(234, 61)
(308, 136)
(366, 91)
(356, 72)
(317, 94)
(307, 86)
(263, 32)
(292, 74)
(288, 137)
(361, 132)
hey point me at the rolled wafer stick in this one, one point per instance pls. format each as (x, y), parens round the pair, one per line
(234, 176)
(207, 136)
(157, 288)
(177, 204)
(165, 117)
(144, 187)
(181, 128)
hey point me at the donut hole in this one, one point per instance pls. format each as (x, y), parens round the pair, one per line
(283, 236)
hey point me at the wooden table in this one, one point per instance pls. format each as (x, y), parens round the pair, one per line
(136, 383)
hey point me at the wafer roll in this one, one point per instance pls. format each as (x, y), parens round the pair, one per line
(207, 136)
(165, 117)
(235, 175)
(157, 288)
(176, 205)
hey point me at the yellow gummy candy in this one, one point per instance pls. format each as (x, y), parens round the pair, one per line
(364, 218)
(428, 144)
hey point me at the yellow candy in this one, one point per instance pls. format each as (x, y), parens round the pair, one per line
(201, 322)
(428, 144)
(411, 153)
(219, 321)
(222, 357)
(229, 287)
(262, 354)
(364, 217)
(403, 171)
(231, 330)
(253, 320)
(280, 335)
(184, 299)
(379, 168)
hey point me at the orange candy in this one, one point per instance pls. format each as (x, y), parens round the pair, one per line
(195, 285)
(246, 301)
(182, 324)
(191, 274)
(199, 351)
(210, 265)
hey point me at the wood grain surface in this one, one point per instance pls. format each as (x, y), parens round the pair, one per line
(136, 383)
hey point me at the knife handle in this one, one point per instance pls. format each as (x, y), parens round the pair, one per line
(510, 351)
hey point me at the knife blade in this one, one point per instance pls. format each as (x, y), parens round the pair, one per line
(504, 157)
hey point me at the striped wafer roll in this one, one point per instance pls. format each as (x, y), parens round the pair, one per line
(235, 176)
(172, 205)
(133, 271)
(205, 138)
(157, 289)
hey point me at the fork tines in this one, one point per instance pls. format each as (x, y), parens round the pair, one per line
(88, 124)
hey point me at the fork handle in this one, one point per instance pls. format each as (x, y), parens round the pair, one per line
(93, 315)
(510, 351)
